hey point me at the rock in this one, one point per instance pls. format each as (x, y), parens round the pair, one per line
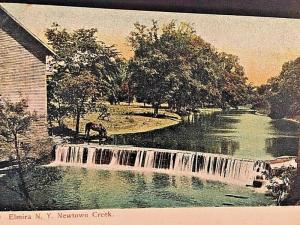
(257, 183)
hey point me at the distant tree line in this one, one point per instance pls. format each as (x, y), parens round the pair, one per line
(281, 95)
(171, 64)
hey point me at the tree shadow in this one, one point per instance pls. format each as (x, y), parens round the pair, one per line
(62, 130)
(151, 114)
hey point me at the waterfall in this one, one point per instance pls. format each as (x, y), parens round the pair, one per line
(206, 165)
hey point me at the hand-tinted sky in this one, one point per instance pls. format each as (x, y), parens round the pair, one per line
(262, 44)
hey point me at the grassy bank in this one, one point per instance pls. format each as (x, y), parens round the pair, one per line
(295, 119)
(129, 119)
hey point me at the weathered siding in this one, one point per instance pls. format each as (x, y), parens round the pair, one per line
(22, 75)
(23, 67)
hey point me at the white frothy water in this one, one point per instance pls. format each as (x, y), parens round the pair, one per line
(205, 165)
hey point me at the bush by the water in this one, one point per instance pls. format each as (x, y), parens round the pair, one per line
(281, 182)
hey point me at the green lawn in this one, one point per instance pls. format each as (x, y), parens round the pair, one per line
(129, 119)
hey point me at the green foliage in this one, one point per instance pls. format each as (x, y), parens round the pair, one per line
(284, 91)
(232, 85)
(77, 93)
(257, 98)
(117, 88)
(84, 70)
(15, 121)
(281, 182)
(150, 68)
(17, 143)
(175, 65)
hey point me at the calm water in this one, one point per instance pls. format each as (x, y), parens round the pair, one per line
(79, 188)
(243, 135)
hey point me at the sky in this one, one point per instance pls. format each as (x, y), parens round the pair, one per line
(262, 44)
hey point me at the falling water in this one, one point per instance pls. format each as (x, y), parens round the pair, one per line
(209, 166)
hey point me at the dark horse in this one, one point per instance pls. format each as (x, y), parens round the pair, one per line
(95, 127)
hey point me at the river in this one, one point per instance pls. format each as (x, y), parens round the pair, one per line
(81, 188)
(244, 135)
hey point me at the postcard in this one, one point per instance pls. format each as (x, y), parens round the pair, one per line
(135, 117)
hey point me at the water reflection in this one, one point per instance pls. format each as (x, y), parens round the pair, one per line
(286, 127)
(160, 180)
(79, 188)
(233, 133)
(282, 146)
(197, 183)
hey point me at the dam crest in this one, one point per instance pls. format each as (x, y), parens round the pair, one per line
(208, 166)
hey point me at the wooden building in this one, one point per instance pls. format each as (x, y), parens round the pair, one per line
(23, 59)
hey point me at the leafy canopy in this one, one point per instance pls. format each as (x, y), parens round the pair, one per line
(84, 70)
(175, 65)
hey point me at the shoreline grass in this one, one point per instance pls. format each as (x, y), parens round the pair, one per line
(134, 118)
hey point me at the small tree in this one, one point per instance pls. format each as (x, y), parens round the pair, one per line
(77, 93)
(17, 144)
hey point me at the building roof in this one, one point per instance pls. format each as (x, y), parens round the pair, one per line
(16, 29)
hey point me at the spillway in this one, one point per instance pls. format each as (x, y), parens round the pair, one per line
(204, 165)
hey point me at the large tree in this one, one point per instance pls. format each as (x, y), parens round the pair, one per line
(232, 85)
(194, 75)
(84, 69)
(151, 69)
(175, 65)
(162, 68)
(284, 91)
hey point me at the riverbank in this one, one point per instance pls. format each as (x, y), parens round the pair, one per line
(295, 119)
(134, 118)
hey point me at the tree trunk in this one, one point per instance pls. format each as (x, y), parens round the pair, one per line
(156, 108)
(78, 114)
(178, 109)
(23, 188)
(77, 125)
(21, 183)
